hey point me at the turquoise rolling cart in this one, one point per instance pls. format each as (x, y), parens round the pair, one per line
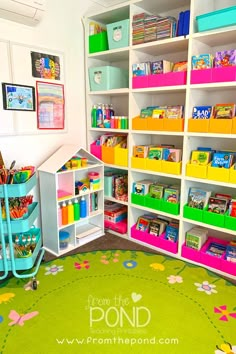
(10, 229)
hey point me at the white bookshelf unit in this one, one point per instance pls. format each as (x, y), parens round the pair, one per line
(52, 180)
(130, 101)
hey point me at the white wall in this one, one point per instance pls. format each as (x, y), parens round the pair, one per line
(61, 30)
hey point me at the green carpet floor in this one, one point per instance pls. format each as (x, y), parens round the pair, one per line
(118, 302)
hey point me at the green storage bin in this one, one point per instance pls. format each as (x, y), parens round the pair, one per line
(138, 199)
(193, 213)
(118, 34)
(213, 219)
(171, 208)
(230, 222)
(98, 42)
(217, 19)
(153, 203)
(108, 77)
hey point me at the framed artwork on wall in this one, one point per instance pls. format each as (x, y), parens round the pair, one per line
(50, 105)
(18, 97)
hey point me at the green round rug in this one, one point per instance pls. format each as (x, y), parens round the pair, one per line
(118, 302)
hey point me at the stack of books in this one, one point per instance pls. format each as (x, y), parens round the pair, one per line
(150, 28)
(166, 27)
(138, 28)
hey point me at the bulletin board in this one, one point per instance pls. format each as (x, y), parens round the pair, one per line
(26, 65)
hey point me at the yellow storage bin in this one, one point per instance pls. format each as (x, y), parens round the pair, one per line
(121, 156)
(197, 171)
(198, 125)
(154, 165)
(233, 131)
(232, 175)
(140, 163)
(173, 125)
(218, 174)
(155, 124)
(221, 126)
(108, 154)
(139, 123)
(174, 168)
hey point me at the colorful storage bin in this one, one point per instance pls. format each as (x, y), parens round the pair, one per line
(118, 34)
(217, 19)
(98, 42)
(108, 78)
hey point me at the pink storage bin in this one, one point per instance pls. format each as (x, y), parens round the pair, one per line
(96, 150)
(120, 227)
(191, 254)
(201, 76)
(145, 237)
(209, 260)
(140, 82)
(228, 267)
(224, 74)
(168, 79)
(167, 245)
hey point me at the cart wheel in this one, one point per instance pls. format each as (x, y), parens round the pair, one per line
(34, 284)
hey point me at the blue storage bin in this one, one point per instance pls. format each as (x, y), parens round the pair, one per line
(217, 19)
(107, 78)
(118, 34)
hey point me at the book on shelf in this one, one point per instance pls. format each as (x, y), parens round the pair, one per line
(174, 112)
(217, 205)
(202, 112)
(198, 198)
(222, 159)
(157, 227)
(196, 237)
(172, 231)
(155, 153)
(172, 155)
(199, 157)
(224, 111)
(171, 195)
(159, 112)
(216, 249)
(202, 61)
(156, 190)
(161, 67)
(141, 187)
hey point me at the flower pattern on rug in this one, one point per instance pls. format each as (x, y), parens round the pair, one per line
(54, 269)
(224, 312)
(29, 286)
(83, 265)
(206, 287)
(172, 279)
(130, 264)
(110, 256)
(157, 267)
(226, 348)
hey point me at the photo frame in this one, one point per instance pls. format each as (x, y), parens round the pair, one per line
(18, 97)
(50, 105)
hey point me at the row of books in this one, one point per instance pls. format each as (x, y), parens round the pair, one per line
(158, 152)
(150, 27)
(112, 140)
(221, 59)
(218, 158)
(198, 236)
(219, 203)
(171, 112)
(170, 193)
(218, 111)
(157, 225)
(157, 67)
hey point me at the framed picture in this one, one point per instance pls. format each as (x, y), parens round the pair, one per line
(18, 97)
(50, 105)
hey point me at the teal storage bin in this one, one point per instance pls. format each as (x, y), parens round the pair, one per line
(217, 19)
(107, 78)
(118, 34)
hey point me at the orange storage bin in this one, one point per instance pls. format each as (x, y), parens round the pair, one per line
(221, 126)
(198, 125)
(197, 171)
(154, 165)
(174, 168)
(173, 125)
(108, 154)
(139, 123)
(121, 156)
(138, 162)
(155, 124)
(232, 175)
(233, 131)
(218, 174)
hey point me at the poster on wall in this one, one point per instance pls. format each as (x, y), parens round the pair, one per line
(45, 66)
(18, 97)
(50, 105)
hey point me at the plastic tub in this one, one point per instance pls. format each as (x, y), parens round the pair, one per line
(217, 19)
(64, 238)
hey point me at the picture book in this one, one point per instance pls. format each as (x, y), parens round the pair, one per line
(224, 111)
(140, 151)
(145, 112)
(142, 187)
(180, 66)
(232, 207)
(216, 249)
(157, 227)
(202, 61)
(142, 224)
(222, 159)
(172, 155)
(172, 232)
(198, 198)
(161, 67)
(141, 69)
(159, 112)
(200, 157)
(217, 205)
(156, 190)
(155, 153)
(230, 253)
(121, 187)
(225, 58)
(202, 112)
(171, 195)
(196, 237)
(174, 112)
